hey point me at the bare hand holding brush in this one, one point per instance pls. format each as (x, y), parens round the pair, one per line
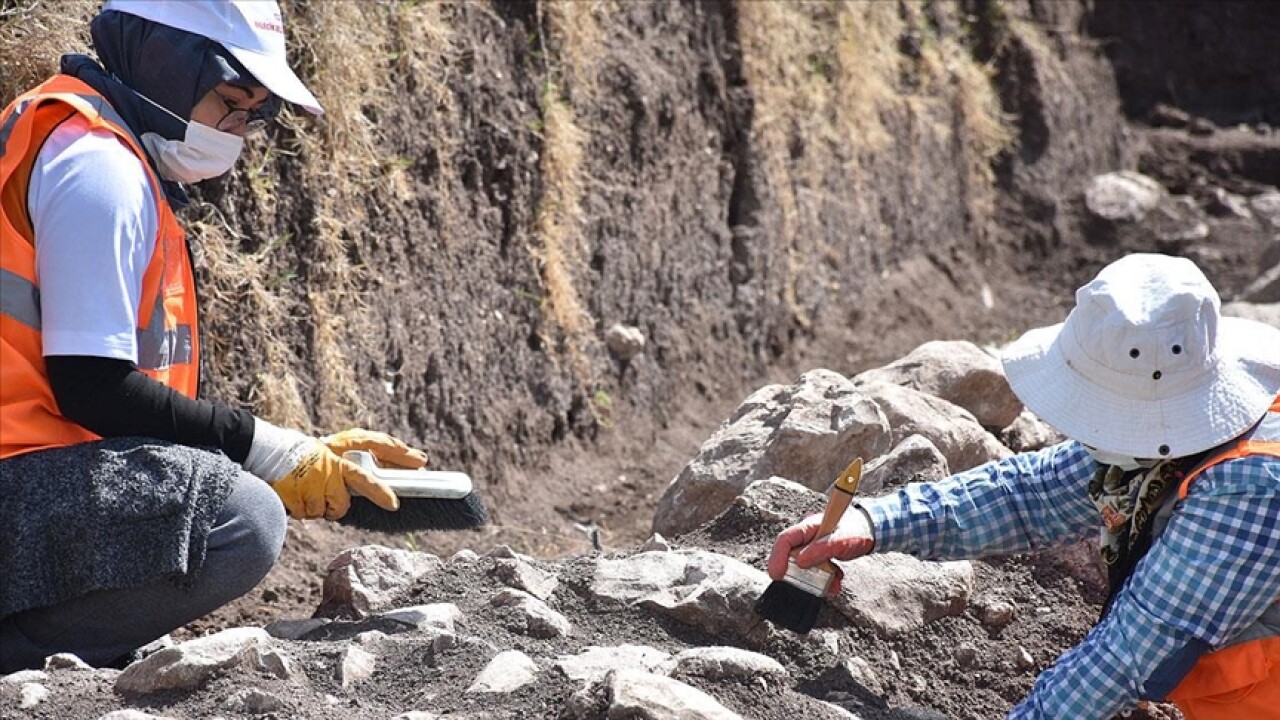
(852, 538)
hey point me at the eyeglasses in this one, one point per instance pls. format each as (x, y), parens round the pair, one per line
(242, 119)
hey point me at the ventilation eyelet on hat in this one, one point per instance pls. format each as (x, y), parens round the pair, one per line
(1157, 375)
(1133, 352)
(1177, 349)
(1164, 449)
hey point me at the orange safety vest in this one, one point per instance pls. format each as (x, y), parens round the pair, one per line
(1242, 680)
(167, 335)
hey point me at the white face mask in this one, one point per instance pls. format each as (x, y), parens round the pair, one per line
(1124, 462)
(204, 153)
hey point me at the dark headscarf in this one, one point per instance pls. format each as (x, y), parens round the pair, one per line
(170, 67)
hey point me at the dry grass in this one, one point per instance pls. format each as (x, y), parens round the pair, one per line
(832, 79)
(576, 27)
(575, 34)
(558, 223)
(34, 34)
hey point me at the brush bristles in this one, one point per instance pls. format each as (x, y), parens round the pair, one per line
(418, 514)
(789, 606)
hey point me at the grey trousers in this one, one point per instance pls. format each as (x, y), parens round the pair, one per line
(105, 626)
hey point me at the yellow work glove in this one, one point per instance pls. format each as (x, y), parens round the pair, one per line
(320, 485)
(310, 475)
(388, 451)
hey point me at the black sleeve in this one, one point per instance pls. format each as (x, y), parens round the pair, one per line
(114, 399)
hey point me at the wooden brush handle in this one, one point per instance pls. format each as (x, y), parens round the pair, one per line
(838, 500)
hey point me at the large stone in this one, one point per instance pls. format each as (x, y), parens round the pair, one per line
(720, 663)
(951, 428)
(713, 592)
(645, 696)
(778, 500)
(355, 665)
(441, 616)
(192, 663)
(532, 616)
(1028, 433)
(365, 580)
(806, 432)
(1266, 207)
(521, 574)
(1123, 196)
(1265, 289)
(915, 459)
(597, 661)
(131, 714)
(508, 671)
(625, 341)
(956, 371)
(892, 593)
(1266, 313)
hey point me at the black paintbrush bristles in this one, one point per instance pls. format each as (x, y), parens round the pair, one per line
(789, 606)
(417, 514)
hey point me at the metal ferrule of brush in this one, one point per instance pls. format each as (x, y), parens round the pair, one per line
(439, 484)
(812, 580)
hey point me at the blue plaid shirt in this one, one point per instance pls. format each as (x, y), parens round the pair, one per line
(1212, 573)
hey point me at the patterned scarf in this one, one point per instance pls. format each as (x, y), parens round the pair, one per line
(1127, 501)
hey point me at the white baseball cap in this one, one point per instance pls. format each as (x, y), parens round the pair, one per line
(251, 30)
(1145, 366)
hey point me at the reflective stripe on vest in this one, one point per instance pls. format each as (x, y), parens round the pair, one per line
(167, 323)
(158, 348)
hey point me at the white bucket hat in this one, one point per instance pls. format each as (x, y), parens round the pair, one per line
(251, 30)
(1144, 366)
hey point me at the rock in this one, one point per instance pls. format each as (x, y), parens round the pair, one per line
(192, 663)
(533, 617)
(25, 676)
(371, 640)
(711, 591)
(1168, 116)
(254, 701)
(294, 628)
(1123, 196)
(655, 542)
(416, 715)
(995, 614)
(1029, 433)
(1266, 206)
(892, 593)
(859, 672)
(624, 341)
(952, 429)
(1024, 661)
(778, 500)
(596, 661)
(956, 371)
(131, 714)
(1266, 289)
(355, 665)
(65, 661)
(1268, 313)
(637, 694)
(915, 459)
(1223, 203)
(1201, 126)
(1178, 220)
(364, 580)
(31, 695)
(965, 654)
(464, 556)
(806, 432)
(444, 616)
(719, 663)
(522, 574)
(508, 671)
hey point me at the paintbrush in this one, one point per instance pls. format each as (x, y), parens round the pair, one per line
(795, 601)
(429, 500)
